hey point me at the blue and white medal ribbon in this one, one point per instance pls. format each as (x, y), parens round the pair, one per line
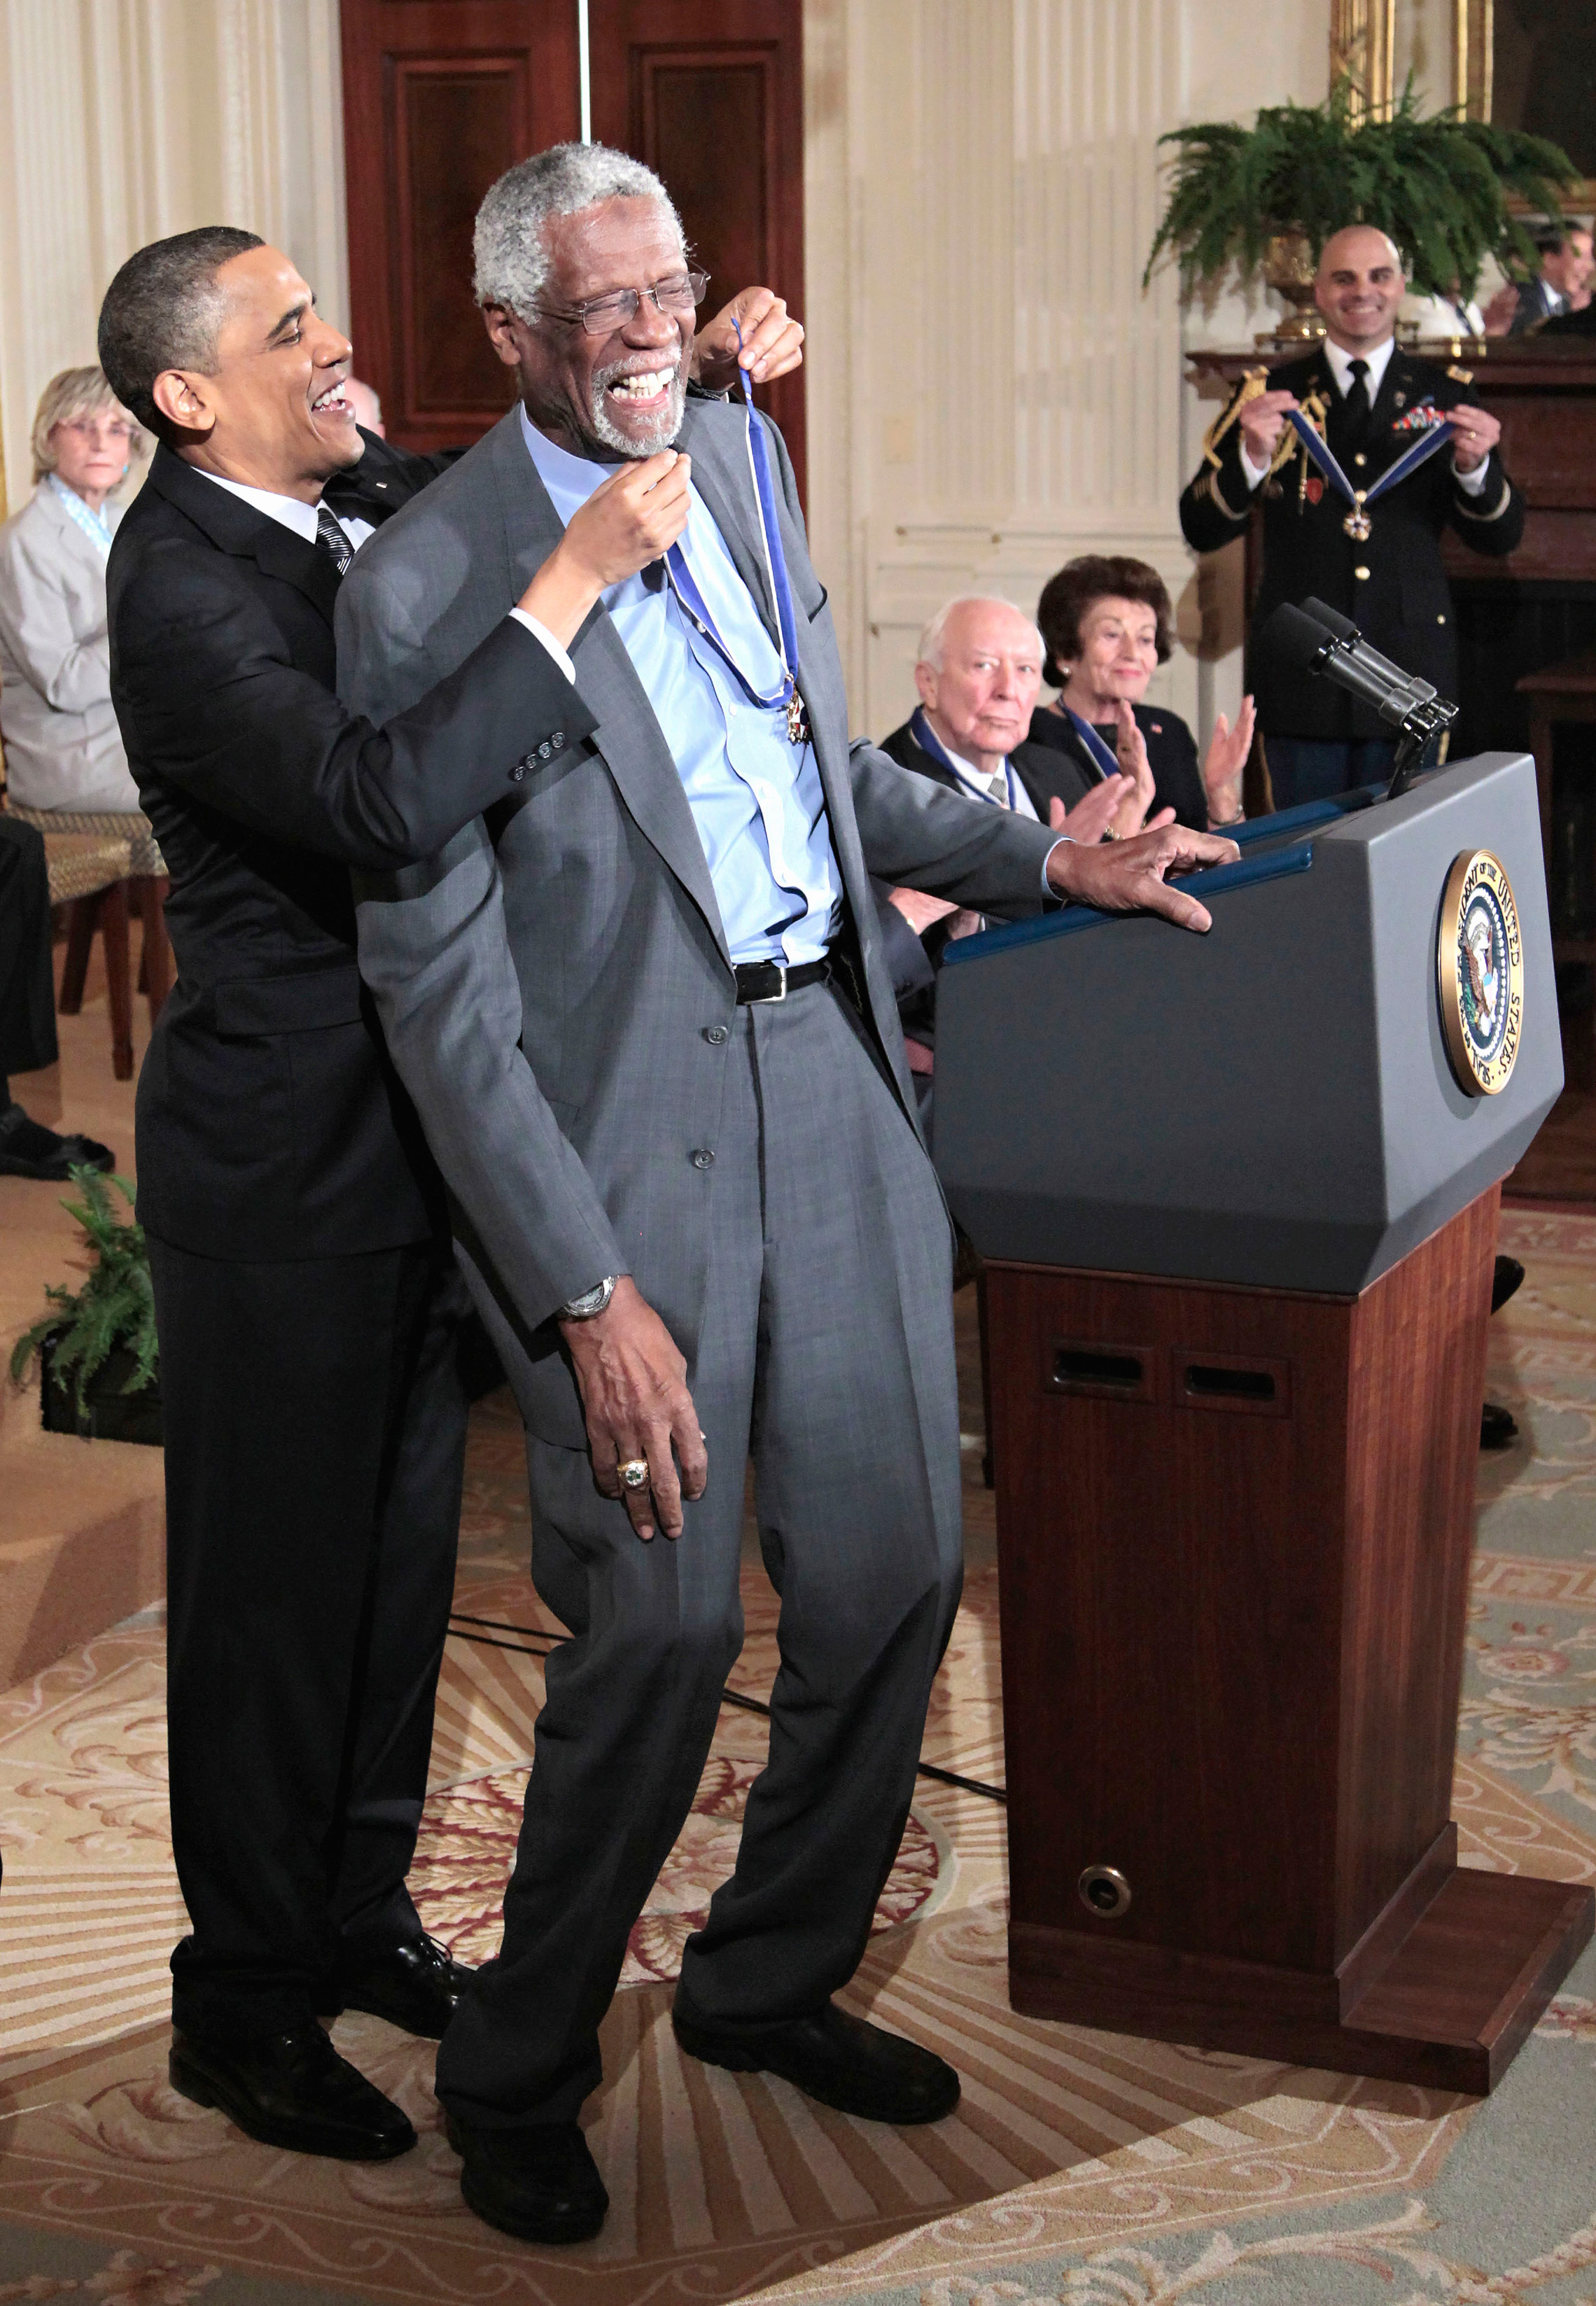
(1357, 522)
(1105, 763)
(775, 561)
(928, 741)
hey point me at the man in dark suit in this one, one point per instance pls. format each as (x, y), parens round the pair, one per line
(1372, 403)
(1565, 267)
(978, 673)
(305, 1293)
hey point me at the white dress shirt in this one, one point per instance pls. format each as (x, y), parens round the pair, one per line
(1340, 365)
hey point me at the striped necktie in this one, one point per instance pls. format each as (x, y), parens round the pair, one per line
(332, 540)
(998, 787)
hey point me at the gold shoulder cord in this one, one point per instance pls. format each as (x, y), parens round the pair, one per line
(1254, 381)
(1315, 408)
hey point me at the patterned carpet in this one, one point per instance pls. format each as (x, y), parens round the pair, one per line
(1081, 2166)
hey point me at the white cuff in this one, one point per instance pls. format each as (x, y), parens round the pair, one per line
(1255, 475)
(1065, 840)
(1473, 484)
(542, 633)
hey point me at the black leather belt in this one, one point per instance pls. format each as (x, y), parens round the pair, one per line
(773, 980)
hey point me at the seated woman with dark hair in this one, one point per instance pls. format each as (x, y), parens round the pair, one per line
(1107, 621)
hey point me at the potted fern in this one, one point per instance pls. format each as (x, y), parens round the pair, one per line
(1266, 198)
(96, 1351)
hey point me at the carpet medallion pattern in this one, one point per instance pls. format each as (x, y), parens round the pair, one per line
(1081, 2166)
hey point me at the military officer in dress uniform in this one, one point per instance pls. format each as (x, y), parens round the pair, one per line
(1380, 563)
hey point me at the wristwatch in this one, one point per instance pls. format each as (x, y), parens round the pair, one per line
(592, 1302)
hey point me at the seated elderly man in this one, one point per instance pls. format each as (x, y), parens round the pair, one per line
(979, 674)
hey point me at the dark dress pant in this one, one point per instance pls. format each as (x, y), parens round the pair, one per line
(315, 1427)
(826, 1354)
(26, 982)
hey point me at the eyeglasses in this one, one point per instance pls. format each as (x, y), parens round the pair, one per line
(600, 316)
(93, 427)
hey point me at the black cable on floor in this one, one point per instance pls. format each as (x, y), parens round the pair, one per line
(728, 1696)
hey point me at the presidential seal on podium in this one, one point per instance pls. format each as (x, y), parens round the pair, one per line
(1479, 973)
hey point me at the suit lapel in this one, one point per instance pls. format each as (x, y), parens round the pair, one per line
(236, 527)
(628, 736)
(726, 484)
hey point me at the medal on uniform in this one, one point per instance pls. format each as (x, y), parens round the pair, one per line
(1357, 524)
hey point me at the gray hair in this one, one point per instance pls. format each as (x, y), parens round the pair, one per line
(163, 310)
(512, 258)
(75, 393)
(931, 637)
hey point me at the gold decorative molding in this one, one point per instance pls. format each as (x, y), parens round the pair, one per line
(1363, 42)
(1471, 45)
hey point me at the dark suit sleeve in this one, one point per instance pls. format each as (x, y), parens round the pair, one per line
(207, 695)
(1217, 505)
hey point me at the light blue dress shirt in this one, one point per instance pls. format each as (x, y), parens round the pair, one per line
(755, 797)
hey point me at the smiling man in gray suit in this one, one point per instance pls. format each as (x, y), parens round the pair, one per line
(643, 1013)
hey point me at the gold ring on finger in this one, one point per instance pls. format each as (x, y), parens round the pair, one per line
(633, 1473)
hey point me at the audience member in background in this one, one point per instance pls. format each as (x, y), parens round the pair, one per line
(1108, 624)
(1371, 404)
(63, 746)
(1563, 281)
(367, 408)
(28, 1012)
(980, 666)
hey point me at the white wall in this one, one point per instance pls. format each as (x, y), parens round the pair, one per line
(991, 391)
(124, 120)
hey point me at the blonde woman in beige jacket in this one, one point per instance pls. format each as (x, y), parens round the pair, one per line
(63, 746)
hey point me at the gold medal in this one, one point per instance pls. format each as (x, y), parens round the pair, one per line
(798, 726)
(1357, 524)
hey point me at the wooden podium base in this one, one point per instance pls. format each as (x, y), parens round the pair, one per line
(1450, 2012)
(1235, 1528)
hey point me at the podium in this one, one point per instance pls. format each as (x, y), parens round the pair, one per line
(1237, 1200)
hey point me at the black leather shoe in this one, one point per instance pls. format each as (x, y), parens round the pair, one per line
(1505, 1282)
(29, 1150)
(839, 2060)
(539, 2183)
(293, 2091)
(415, 1985)
(1498, 1429)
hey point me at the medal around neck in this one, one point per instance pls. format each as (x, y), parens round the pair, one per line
(1357, 524)
(1479, 973)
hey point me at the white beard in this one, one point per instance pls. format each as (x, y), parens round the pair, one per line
(665, 428)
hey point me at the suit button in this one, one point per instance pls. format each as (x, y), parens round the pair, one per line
(1362, 574)
(558, 738)
(545, 751)
(714, 1035)
(518, 773)
(1440, 621)
(1360, 459)
(703, 1158)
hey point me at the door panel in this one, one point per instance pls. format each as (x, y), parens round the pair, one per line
(710, 94)
(439, 97)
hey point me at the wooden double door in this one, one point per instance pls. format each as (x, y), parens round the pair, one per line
(441, 96)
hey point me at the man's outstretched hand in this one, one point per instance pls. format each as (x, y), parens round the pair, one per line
(1127, 877)
(635, 1397)
(772, 343)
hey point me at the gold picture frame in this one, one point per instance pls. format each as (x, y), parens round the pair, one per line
(1474, 77)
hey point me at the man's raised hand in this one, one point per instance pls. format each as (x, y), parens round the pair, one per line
(772, 343)
(635, 1397)
(1126, 877)
(1263, 421)
(630, 519)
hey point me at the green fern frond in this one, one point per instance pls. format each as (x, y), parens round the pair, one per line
(1438, 183)
(116, 1306)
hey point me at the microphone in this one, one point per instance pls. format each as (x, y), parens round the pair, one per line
(1319, 640)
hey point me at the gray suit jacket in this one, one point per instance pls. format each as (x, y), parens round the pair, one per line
(554, 985)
